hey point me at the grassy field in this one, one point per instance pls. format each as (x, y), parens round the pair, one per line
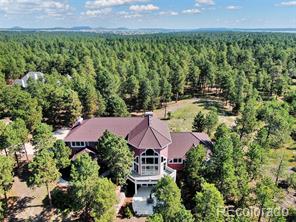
(288, 152)
(183, 112)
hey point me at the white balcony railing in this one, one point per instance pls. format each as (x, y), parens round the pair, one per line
(142, 178)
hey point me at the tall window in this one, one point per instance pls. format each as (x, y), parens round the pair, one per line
(150, 163)
(136, 164)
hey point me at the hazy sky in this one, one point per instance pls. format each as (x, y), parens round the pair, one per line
(149, 13)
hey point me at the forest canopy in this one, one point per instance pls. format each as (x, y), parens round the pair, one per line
(109, 75)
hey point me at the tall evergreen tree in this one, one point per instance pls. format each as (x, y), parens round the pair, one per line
(6, 178)
(247, 123)
(44, 171)
(43, 137)
(61, 154)
(92, 195)
(194, 169)
(209, 204)
(169, 201)
(115, 154)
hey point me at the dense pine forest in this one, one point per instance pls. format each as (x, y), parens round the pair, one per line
(111, 75)
(93, 75)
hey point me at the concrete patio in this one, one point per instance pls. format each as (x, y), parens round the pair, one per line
(140, 205)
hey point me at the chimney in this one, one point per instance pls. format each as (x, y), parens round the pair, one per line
(149, 115)
(78, 122)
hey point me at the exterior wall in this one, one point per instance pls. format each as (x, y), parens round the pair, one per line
(161, 153)
(176, 166)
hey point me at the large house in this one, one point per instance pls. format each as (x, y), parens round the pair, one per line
(157, 151)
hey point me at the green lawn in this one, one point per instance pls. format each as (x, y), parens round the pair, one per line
(182, 115)
(288, 151)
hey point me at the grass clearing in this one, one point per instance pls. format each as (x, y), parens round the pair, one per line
(183, 112)
(289, 153)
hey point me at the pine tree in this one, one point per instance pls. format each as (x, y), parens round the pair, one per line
(199, 123)
(44, 171)
(169, 201)
(145, 95)
(6, 178)
(165, 93)
(266, 193)
(22, 133)
(61, 154)
(116, 155)
(92, 195)
(247, 123)
(43, 137)
(255, 159)
(116, 107)
(209, 204)
(194, 169)
(211, 121)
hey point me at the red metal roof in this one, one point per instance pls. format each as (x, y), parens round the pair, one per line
(84, 150)
(141, 132)
(150, 133)
(92, 129)
(184, 141)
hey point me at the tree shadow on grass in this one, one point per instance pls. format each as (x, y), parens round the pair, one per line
(18, 205)
(210, 104)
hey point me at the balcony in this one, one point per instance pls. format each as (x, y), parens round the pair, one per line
(145, 179)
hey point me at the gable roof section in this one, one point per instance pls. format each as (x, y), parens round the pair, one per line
(182, 142)
(92, 129)
(85, 150)
(150, 133)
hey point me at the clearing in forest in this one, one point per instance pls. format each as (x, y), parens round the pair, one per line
(184, 111)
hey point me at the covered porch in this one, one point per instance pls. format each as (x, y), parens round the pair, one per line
(140, 180)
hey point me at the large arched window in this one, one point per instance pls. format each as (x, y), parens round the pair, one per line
(150, 163)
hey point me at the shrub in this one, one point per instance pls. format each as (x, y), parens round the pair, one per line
(127, 212)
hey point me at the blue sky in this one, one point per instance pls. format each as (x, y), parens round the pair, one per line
(149, 13)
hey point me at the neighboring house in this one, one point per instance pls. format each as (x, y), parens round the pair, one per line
(33, 75)
(157, 152)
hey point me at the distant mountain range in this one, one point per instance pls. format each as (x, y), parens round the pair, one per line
(127, 31)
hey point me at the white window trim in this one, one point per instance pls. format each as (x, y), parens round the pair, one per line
(150, 165)
(82, 144)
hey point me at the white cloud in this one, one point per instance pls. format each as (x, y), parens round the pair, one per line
(129, 15)
(140, 8)
(287, 4)
(172, 13)
(96, 4)
(233, 7)
(204, 2)
(98, 12)
(52, 8)
(191, 11)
